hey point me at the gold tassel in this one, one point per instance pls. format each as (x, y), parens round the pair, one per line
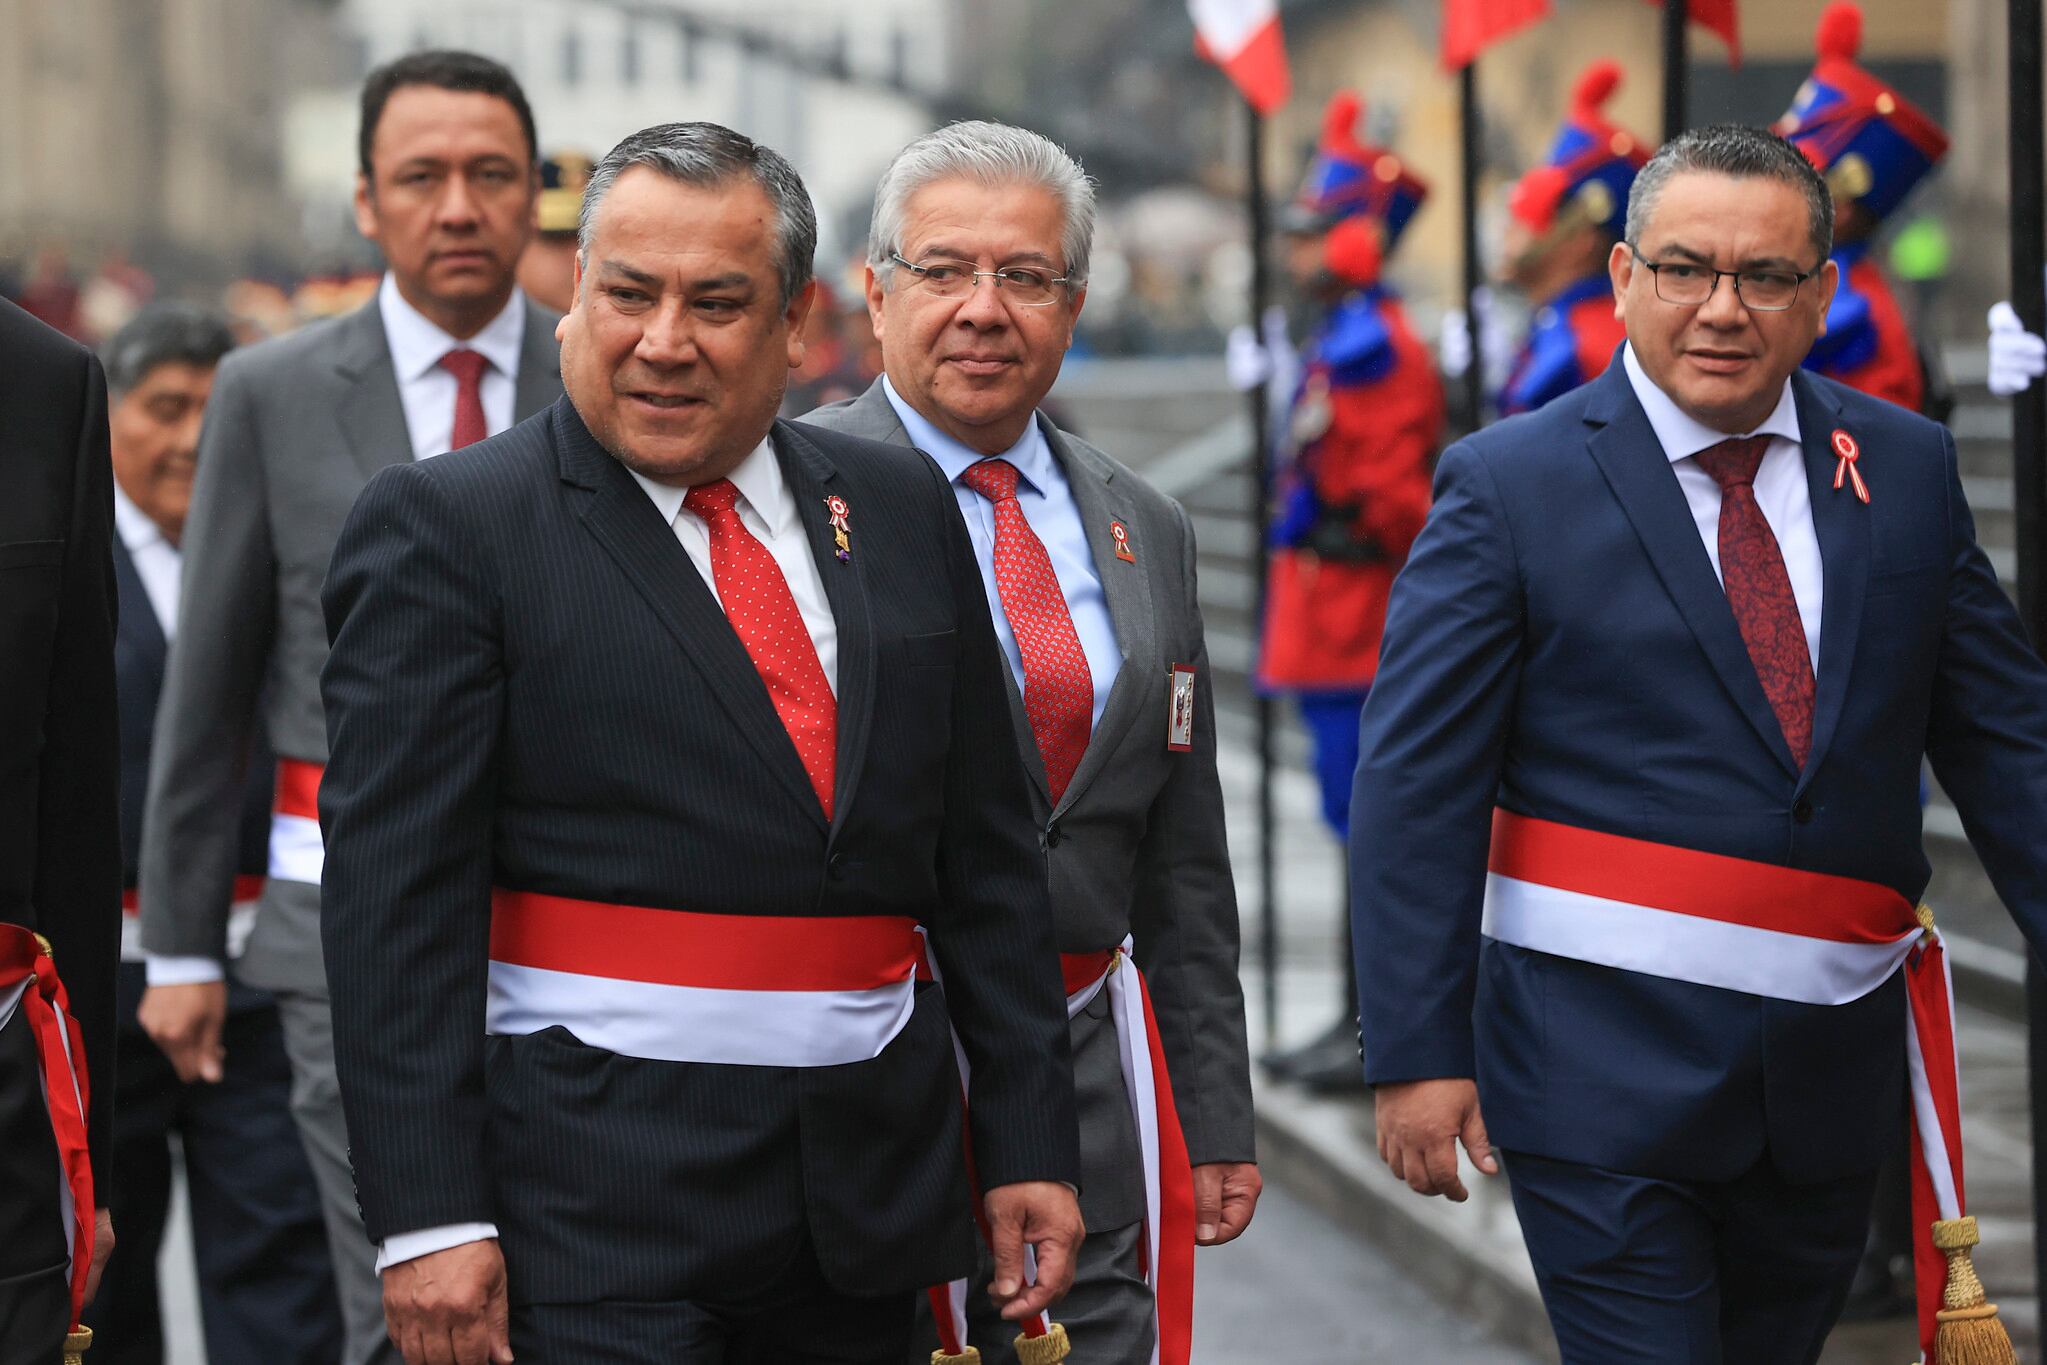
(968, 1356)
(1048, 1349)
(75, 1344)
(1967, 1331)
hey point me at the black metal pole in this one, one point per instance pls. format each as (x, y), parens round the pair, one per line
(1675, 112)
(1261, 482)
(1471, 407)
(2028, 171)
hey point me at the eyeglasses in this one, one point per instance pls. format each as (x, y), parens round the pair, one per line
(1688, 285)
(1023, 285)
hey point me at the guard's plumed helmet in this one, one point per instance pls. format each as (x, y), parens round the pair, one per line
(1589, 169)
(1348, 178)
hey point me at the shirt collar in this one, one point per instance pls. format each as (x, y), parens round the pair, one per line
(1682, 436)
(417, 345)
(138, 532)
(758, 479)
(1031, 455)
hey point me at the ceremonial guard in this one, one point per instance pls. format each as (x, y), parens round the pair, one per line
(1873, 146)
(1563, 218)
(977, 269)
(1354, 487)
(547, 268)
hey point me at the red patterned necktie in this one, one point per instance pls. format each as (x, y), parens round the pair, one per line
(467, 366)
(763, 612)
(1059, 692)
(1759, 589)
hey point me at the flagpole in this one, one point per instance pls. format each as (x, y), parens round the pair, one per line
(2028, 180)
(1471, 408)
(1261, 483)
(1676, 112)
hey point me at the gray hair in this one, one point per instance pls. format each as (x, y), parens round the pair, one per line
(708, 154)
(1737, 150)
(989, 154)
(164, 334)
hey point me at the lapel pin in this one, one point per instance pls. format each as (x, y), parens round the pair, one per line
(1845, 453)
(1121, 536)
(841, 533)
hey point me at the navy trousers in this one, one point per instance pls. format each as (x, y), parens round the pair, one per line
(266, 1285)
(1751, 1271)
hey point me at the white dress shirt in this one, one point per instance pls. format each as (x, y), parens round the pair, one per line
(768, 509)
(1781, 489)
(1046, 500)
(427, 391)
(158, 564)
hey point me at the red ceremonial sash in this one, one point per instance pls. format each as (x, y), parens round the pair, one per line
(25, 963)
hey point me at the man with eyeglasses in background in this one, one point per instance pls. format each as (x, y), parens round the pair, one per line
(977, 270)
(1636, 841)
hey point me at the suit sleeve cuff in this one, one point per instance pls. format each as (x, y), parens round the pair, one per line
(410, 1246)
(162, 970)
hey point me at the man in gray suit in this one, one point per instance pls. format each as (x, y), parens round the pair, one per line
(977, 268)
(447, 353)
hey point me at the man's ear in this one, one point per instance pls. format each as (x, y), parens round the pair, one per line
(1829, 282)
(365, 207)
(1620, 269)
(875, 296)
(794, 316)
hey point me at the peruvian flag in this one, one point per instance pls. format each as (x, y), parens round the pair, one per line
(1472, 26)
(1242, 37)
(1717, 16)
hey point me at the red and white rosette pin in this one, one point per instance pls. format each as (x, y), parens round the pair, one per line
(1120, 534)
(842, 536)
(1845, 455)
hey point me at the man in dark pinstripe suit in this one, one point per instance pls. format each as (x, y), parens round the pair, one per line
(659, 729)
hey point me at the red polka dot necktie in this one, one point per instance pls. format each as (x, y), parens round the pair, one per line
(764, 614)
(1059, 692)
(1759, 590)
(467, 366)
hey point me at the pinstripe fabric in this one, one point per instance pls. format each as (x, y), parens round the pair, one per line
(530, 686)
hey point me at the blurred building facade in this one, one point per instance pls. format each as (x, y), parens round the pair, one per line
(152, 128)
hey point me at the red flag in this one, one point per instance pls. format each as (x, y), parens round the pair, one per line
(1472, 26)
(1721, 17)
(1243, 38)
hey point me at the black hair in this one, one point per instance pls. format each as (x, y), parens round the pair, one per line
(1746, 153)
(444, 69)
(163, 334)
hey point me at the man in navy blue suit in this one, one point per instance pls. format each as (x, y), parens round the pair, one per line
(1636, 836)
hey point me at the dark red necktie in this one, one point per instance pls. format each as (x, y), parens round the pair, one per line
(1059, 692)
(467, 366)
(1759, 590)
(764, 614)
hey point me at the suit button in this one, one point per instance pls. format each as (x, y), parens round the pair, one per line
(835, 867)
(1801, 811)
(1052, 836)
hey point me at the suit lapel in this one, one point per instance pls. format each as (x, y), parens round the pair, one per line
(137, 620)
(1128, 589)
(372, 414)
(617, 512)
(811, 477)
(1628, 453)
(1841, 520)
(540, 367)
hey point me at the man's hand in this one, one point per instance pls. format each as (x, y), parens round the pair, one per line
(449, 1307)
(185, 1022)
(1420, 1124)
(1044, 1215)
(1225, 1197)
(102, 1247)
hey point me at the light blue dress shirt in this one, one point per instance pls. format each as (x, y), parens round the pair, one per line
(1047, 503)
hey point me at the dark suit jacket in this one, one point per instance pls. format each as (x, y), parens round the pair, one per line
(530, 686)
(60, 849)
(140, 652)
(1558, 642)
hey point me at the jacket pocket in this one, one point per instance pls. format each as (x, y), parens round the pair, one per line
(23, 554)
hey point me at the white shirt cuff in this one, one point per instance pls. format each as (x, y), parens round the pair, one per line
(181, 971)
(410, 1246)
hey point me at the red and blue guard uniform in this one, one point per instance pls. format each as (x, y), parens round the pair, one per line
(1583, 181)
(1873, 146)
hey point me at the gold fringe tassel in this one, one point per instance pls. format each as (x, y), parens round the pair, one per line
(76, 1342)
(968, 1356)
(1048, 1349)
(1967, 1331)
